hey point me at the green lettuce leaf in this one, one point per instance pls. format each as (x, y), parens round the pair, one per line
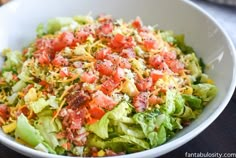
(205, 91)
(100, 128)
(193, 101)
(56, 24)
(47, 129)
(27, 132)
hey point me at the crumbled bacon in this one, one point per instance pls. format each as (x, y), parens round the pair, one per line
(77, 97)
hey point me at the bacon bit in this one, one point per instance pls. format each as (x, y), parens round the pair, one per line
(140, 101)
(81, 139)
(77, 97)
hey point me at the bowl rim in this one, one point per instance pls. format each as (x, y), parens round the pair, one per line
(172, 145)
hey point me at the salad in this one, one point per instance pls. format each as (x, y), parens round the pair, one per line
(101, 87)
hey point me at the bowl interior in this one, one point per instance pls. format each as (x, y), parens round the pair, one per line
(19, 20)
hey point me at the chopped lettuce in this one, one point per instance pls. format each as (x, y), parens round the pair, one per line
(39, 105)
(56, 24)
(169, 106)
(152, 124)
(180, 42)
(100, 128)
(205, 91)
(13, 60)
(192, 64)
(47, 129)
(26, 132)
(131, 140)
(192, 101)
(18, 86)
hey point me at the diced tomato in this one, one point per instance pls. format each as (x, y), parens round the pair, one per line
(118, 75)
(105, 28)
(64, 40)
(44, 44)
(92, 121)
(156, 75)
(80, 37)
(44, 83)
(88, 77)
(153, 100)
(108, 86)
(104, 67)
(169, 55)
(150, 44)
(59, 61)
(144, 84)
(156, 60)
(102, 100)
(140, 101)
(96, 112)
(120, 42)
(128, 53)
(102, 54)
(64, 72)
(44, 58)
(4, 111)
(175, 65)
(119, 61)
(137, 23)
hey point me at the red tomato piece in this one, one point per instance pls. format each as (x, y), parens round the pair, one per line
(80, 37)
(119, 61)
(96, 112)
(88, 77)
(59, 60)
(44, 44)
(118, 75)
(43, 58)
(102, 54)
(150, 44)
(105, 28)
(176, 66)
(104, 67)
(137, 23)
(102, 100)
(108, 86)
(4, 111)
(65, 39)
(64, 72)
(156, 75)
(156, 61)
(144, 84)
(128, 53)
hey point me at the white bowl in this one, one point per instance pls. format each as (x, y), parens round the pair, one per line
(20, 18)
